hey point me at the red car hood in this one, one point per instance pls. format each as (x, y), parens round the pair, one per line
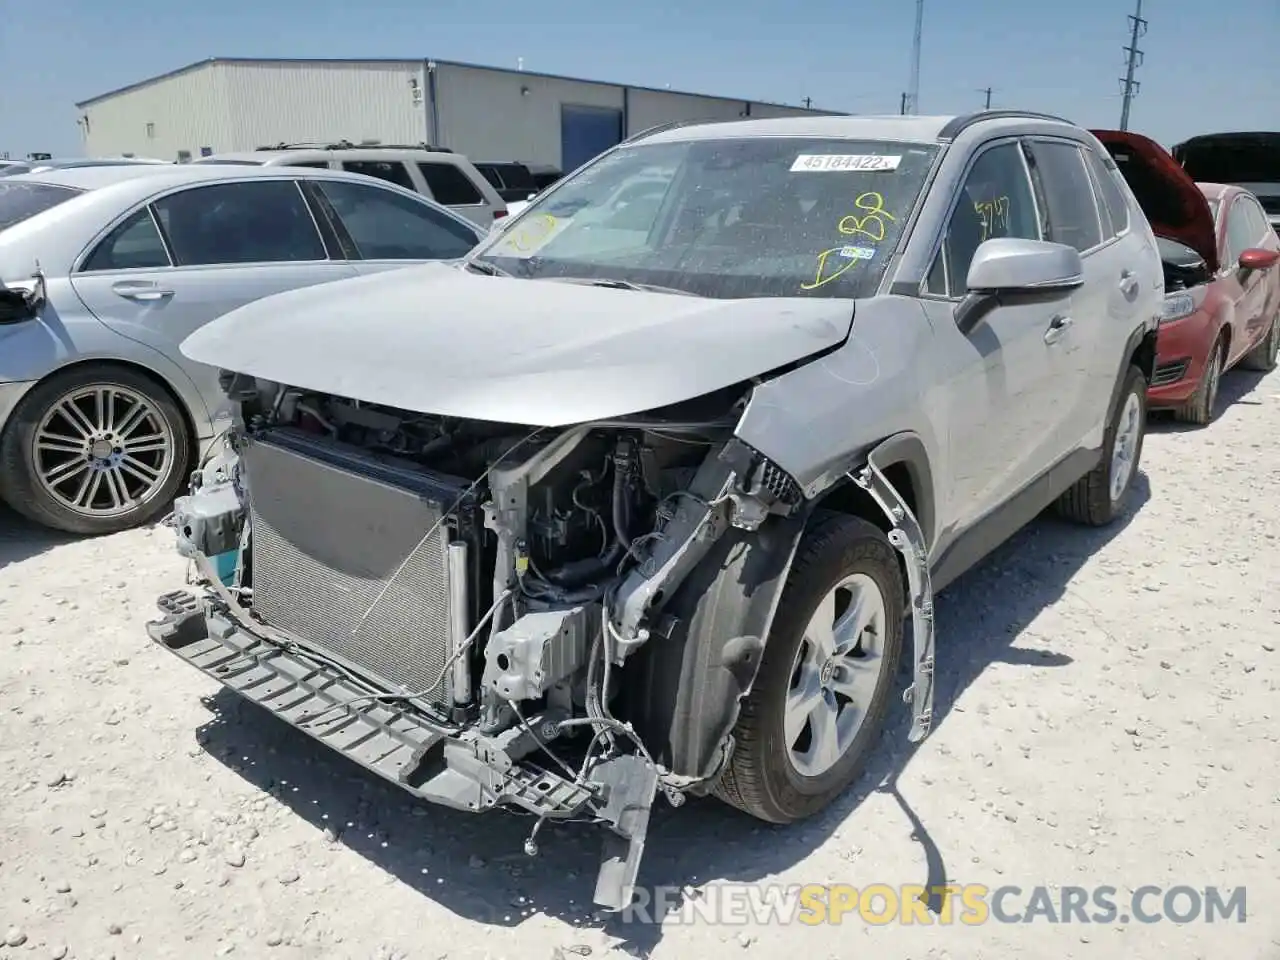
(1171, 200)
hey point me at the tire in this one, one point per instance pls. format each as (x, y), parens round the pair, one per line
(1092, 500)
(1263, 356)
(1199, 409)
(42, 484)
(764, 778)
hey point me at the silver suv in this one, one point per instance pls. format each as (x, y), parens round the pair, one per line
(634, 501)
(446, 177)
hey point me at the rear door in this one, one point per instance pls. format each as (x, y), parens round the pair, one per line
(1005, 398)
(1084, 362)
(189, 256)
(381, 229)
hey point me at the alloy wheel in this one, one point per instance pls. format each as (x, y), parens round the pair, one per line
(1128, 431)
(835, 674)
(101, 449)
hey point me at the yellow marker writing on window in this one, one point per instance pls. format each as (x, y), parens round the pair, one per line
(823, 259)
(872, 223)
(995, 216)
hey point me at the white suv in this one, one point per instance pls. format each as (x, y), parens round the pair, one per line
(446, 177)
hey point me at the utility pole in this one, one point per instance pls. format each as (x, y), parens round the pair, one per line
(1129, 85)
(987, 91)
(902, 108)
(913, 95)
(808, 102)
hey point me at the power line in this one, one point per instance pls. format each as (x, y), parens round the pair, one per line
(912, 103)
(987, 91)
(1128, 84)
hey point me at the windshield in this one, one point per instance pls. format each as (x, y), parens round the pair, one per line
(21, 200)
(767, 217)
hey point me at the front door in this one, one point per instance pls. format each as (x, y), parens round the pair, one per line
(195, 254)
(999, 427)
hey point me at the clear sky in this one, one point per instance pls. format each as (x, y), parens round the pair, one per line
(1208, 67)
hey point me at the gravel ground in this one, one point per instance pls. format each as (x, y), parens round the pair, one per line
(1106, 707)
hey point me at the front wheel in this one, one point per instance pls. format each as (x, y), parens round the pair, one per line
(1099, 497)
(819, 700)
(94, 450)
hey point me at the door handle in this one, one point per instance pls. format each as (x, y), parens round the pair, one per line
(140, 290)
(1058, 326)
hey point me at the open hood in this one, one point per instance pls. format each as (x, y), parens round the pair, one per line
(1171, 200)
(440, 339)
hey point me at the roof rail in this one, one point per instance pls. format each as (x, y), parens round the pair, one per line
(957, 125)
(669, 125)
(348, 145)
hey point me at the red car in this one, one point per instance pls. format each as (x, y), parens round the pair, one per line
(1222, 283)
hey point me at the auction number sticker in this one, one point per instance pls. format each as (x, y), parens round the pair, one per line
(822, 162)
(857, 253)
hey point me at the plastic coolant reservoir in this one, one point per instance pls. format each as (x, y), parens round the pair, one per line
(225, 565)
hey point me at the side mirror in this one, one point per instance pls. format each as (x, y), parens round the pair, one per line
(1257, 258)
(1008, 266)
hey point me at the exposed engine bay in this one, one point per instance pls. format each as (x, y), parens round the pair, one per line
(454, 604)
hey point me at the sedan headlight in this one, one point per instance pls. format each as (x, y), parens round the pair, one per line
(1176, 306)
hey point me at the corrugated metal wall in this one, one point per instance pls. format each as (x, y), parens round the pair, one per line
(183, 112)
(510, 116)
(294, 102)
(484, 113)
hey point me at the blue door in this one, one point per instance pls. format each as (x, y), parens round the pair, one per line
(586, 132)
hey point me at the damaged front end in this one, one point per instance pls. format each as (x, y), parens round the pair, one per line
(456, 604)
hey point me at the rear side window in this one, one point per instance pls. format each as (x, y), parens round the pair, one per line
(490, 173)
(516, 176)
(392, 171)
(1113, 200)
(249, 222)
(1072, 212)
(449, 185)
(388, 226)
(133, 245)
(21, 201)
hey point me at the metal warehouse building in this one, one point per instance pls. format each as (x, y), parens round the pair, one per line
(486, 113)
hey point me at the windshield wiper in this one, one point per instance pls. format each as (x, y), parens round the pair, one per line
(622, 285)
(487, 268)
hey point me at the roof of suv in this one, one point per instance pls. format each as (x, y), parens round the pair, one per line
(371, 151)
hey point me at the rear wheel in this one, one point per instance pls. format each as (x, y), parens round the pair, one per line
(1100, 495)
(1263, 356)
(1199, 409)
(94, 450)
(818, 704)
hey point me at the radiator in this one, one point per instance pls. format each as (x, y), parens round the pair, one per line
(330, 527)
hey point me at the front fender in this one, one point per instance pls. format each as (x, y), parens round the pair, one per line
(687, 688)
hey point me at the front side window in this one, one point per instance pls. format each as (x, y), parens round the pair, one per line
(1072, 211)
(265, 221)
(392, 171)
(737, 217)
(387, 226)
(996, 201)
(135, 244)
(1245, 228)
(21, 201)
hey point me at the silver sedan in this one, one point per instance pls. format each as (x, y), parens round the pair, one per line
(105, 270)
